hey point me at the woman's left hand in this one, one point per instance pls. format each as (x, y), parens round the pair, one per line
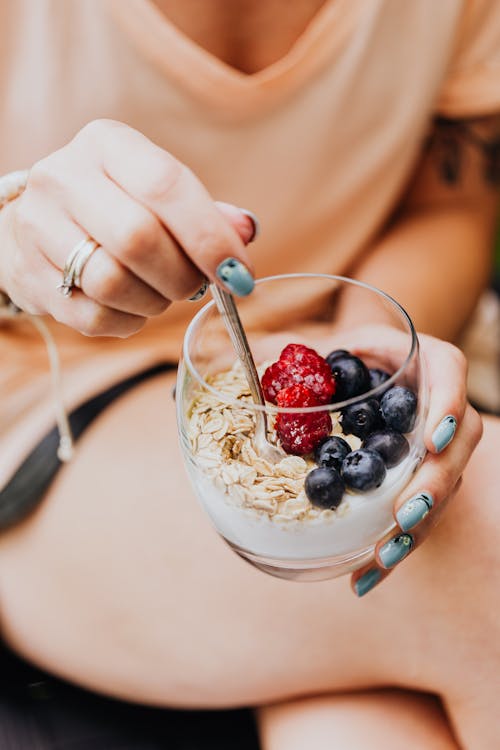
(452, 431)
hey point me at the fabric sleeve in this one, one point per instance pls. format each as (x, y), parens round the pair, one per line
(472, 85)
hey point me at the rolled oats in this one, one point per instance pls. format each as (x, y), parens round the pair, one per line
(221, 436)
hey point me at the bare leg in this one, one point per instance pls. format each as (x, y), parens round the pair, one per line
(380, 720)
(119, 583)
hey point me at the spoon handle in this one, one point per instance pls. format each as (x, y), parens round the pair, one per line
(229, 313)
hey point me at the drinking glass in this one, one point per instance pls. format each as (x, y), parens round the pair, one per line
(263, 509)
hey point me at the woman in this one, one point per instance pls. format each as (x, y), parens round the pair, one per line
(315, 114)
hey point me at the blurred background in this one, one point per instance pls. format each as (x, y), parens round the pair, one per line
(481, 344)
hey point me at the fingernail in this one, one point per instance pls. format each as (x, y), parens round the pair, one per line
(414, 510)
(395, 550)
(255, 223)
(235, 276)
(367, 581)
(444, 433)
(200, 293)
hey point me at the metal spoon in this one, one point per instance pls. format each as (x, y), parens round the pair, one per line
(229, 313)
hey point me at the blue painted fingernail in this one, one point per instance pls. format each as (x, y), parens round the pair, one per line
(444, 433)
(414, 510)
(235, 277)
(367, 581)
(255, 223)
(395, 550)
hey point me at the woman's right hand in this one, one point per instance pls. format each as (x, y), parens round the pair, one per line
(159, 233)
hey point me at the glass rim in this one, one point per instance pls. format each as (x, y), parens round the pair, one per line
(330, 407)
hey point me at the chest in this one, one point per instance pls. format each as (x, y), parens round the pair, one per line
(248, 35)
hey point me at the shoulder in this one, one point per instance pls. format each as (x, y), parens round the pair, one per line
(471, 85)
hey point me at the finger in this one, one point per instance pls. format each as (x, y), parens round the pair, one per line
(132, 235)
(436, 479)
(82, 313)
(107, 281)
(446, 369)
(447, 372)
(422, 505)
(244, 221)
(173, 193)
(104, 279)
(396, 546)
(432, 483)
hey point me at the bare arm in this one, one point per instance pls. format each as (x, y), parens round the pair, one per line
(435, 254)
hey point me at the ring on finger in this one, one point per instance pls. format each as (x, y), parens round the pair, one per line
(75, 263)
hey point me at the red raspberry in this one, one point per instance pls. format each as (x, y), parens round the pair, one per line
(298, 353)
(273, 380)
(300, 433)
(297, 395)
(299, 364)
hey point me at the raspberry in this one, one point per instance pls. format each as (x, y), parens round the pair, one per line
(297, 395)
(299, 364)
(298, 353)
(300, 433)
(274, 379)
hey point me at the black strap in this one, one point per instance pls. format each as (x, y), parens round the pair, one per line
(27, 487)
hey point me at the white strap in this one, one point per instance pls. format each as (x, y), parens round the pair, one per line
(11, 187)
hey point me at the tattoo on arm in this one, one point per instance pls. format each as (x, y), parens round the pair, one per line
(448, 144)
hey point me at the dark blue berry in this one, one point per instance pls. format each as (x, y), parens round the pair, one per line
(399, 408)
(337, 354)
(363, 470)
(331, 452)
(391, 445)
(377, 377)
(324, 487)
(351, 377)
(362, 418)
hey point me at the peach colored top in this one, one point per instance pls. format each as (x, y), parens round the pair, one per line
(319, 144)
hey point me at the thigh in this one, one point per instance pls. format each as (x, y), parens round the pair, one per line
(380, 720)
(119, 582)
(40, 712)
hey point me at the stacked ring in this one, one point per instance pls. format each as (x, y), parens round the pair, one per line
(75, 263)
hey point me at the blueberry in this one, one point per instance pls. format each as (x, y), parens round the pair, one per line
(331, 452)
(377, 377)
(363, 470)
(399, 408)
(362, 418)
(351, 377)
(324, 487)
(391, 445)
(336, 354)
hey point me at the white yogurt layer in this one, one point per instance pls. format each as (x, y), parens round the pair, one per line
(358, 523)
(262, 508)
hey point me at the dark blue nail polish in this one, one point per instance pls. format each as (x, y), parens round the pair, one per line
(235, 277)
(444, 433)
(414, 510)
(200, 293)
(395, 550)
(367, 581)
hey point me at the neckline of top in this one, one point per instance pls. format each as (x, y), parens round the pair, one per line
(209, 78)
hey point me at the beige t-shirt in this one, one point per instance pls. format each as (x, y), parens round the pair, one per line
(319, 144)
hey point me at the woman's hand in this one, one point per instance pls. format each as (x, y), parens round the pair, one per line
(159, 233)
(452, 431)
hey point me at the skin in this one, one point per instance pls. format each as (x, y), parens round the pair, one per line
(135, 610)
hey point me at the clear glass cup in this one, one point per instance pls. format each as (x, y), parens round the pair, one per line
(262, 510)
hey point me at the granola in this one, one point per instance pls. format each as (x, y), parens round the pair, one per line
(222, 435)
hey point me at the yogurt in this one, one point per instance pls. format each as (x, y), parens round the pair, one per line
(262, 509)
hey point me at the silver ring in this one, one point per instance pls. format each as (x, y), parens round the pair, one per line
(75, 263)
